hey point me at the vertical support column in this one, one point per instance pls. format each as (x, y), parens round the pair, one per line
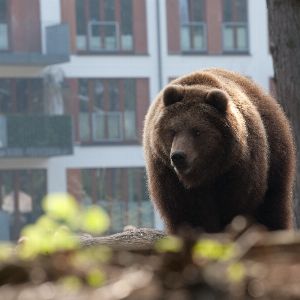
(25, 25)
(68, 15)
(214, 17)
(56, 177)
(173, 26)
(140, 27)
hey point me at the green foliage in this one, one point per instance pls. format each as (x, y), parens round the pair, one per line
(94, 220)
(236, 272)
(61, 207)
(55, 231)
(213, 250)
(169, 244)
(95, 278)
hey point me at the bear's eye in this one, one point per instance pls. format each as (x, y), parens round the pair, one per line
(172, 132)
(196, 132)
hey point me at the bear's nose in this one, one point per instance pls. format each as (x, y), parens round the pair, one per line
(179, 159)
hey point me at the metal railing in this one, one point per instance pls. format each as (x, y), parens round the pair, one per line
(194, 37)
(235, 37)
(35, 135)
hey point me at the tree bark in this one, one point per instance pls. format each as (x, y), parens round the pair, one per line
(284, 35)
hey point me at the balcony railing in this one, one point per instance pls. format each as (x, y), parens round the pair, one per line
(35, 136)
(3, 36)
(235, 37)
(193, 37)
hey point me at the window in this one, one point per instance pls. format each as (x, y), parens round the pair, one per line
(235, 26)
(193, 27)
(21, 96)
(3, 25)
(122, 192)
(20, 200)
(107, 110)
(104, 25)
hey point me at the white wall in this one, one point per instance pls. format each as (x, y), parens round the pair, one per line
(50, 15)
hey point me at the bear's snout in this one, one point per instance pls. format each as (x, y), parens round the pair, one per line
(179, 160)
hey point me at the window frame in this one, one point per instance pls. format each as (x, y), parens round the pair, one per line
(193, 23)
(123, 177)
(88, 20)
(13, 83)
(120, 83)
(6, 21)
(236, 50)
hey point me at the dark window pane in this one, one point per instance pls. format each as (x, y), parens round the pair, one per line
(235, 11)
(109, 10)
(37, 97)
(98, 95)
(3, 11)
(126, 25)
(197, 11)
(94, 10)
(130, 109)
(6, 101)
(227, 11)
(22, 95)
(241, 8)
(80, 17)
(114, 96)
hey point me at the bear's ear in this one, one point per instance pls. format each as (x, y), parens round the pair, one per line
(218, 100)
(173, 94)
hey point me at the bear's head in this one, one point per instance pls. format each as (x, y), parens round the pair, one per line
(199, 131)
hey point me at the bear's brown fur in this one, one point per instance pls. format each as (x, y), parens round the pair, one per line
(217, 146)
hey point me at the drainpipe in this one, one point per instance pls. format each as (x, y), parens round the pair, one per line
(159, 52)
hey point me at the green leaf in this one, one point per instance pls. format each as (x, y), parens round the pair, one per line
(95, 278)
(214, 250)
(94, 220)
(71, 283)
(61, 207)
(236, 272)
(169, 244)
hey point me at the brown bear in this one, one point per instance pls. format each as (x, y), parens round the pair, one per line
(217, 146)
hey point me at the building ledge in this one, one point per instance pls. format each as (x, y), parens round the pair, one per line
(32, 59)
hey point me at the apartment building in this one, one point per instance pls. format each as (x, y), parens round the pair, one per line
(76, 79)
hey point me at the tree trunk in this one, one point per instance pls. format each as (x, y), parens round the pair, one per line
(284, 33)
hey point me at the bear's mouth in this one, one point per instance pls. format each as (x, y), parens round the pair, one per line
(183, 170)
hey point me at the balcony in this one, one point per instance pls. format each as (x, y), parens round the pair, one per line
(35, 136)
(57, 38)
(235, 37)
(193, 37)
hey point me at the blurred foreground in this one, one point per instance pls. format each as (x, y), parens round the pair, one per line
(243, 263)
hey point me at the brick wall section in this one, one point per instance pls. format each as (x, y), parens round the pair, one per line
(173, 26)
(68, 15)
(74, 183)
(214, 16)
(142, 104)
(140, 26)
(25, 25)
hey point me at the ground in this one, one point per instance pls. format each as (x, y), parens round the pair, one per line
(263, 266)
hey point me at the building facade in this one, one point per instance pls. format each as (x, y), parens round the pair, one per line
(76, 79)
